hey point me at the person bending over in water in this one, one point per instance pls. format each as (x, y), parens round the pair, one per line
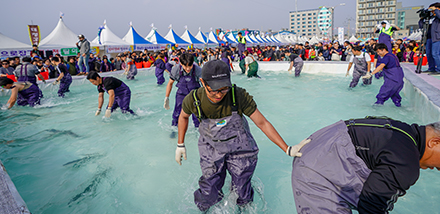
(27, 92)
(119, 93)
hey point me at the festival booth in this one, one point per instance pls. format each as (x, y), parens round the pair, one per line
(139, 44)
(213, 38)
(266, 41)
(201, 37)
(230, 36)
(259, 42)
(188, 37)
(353, 39)
(11, 48)
(61, 41)
(108, 41)
(249, 41)
(175, 39)
(222, 36)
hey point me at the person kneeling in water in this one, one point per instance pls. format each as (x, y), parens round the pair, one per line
(27, 92)
(119, 93)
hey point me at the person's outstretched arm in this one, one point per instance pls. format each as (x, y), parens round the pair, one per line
(267, 128)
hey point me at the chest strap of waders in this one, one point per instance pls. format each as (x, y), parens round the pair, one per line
(352, 122)
(200, 116)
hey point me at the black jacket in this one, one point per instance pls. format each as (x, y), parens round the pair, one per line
(393, 158)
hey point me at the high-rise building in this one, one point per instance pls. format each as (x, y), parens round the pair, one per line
(311, 22)
(369, 13)
(407, 17)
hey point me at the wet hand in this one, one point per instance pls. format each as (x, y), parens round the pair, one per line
(180, 152)
(293, 151)
(108, 113)
(367, 76)
(166, 103)
(348, 73)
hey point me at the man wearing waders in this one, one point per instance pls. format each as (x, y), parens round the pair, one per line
(362, 164)
(187, 75)
(28, 72)
(160, 68)
(392, 74)
(64, 78)
(241, 48)
(362, 66)
(24, 93)
(295, 61)
(119, 93)
(251, 65)
(385, 31)
(225, 142)
(130, 69)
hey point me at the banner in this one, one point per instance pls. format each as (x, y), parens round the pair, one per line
(14, 53)
(69, 51)
(94, 50)
(34, 34)
(118, 48)
(341, 35)
(150, 47)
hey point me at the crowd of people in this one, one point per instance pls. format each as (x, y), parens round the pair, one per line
(375, 171)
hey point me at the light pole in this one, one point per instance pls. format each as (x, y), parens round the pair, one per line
(333, 17)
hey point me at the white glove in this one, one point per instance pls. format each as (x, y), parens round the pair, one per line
(180, 151)
(54, 83)
(367, 76)
(125, 73)
(293, 151)
(108, 113)
(98, 112)
(166, 103)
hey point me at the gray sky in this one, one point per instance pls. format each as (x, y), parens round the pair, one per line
(85, 16)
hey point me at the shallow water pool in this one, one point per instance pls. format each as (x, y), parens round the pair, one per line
(63, 159)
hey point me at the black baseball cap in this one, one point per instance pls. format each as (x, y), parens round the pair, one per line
(216, 74)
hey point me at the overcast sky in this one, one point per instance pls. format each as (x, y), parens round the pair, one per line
(85, 16)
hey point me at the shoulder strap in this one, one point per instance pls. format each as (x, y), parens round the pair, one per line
(386, 125)
(234, 104)
(200, 116)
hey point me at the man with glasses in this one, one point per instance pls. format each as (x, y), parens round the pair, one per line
(6, 69)
(225, 142)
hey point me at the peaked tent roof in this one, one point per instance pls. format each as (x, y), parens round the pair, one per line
(132, 37)
(174, 38)
(353, 39)
(201, 36)
(249, 40)
(231, 37)
(155, 38)
(263, 39)
(252, 36)
(274, 39)
(188, 37)
(108, 38)
(61, 36)
(7, 43)
(212, 37)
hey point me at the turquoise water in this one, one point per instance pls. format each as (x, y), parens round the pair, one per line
(63, 159)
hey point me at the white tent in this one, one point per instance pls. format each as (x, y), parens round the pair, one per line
(353, 39)
(201, 37)
(60, 37)
(314, 40)
(188, 37)
(7, 43)
(107, 37)
(174, 38)
(231, 37)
